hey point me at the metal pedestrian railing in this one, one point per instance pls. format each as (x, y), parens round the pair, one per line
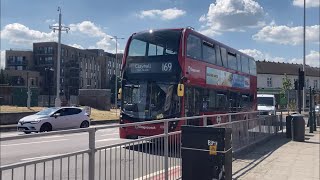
(154, 157)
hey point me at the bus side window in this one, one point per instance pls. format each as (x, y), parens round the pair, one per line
(219, 62)
(209, 53)
(238, 62)
(244, 64)
(253, 68)
(194, 47)
(232, 61)
(222, 101)
(224, 57)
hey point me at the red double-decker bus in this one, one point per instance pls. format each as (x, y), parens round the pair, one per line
(171, 73)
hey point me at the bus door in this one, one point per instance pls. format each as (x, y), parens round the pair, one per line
(192, 105)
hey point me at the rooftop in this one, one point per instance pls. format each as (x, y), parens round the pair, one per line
(266, 67)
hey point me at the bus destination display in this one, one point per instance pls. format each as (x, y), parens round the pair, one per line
(155, 67)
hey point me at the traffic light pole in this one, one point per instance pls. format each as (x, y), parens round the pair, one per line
(310, 113)
(299, 98)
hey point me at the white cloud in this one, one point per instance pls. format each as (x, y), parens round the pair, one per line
(167, 14)
(50, 21)
(312, 59)
(20, 34)
(3, 59)
(287, 35)
(88, 28)
(232, 15)
(92, 30)
(76, 46)
(309, 3)
(258, 55)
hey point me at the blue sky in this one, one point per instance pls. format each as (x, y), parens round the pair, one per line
(264, 29)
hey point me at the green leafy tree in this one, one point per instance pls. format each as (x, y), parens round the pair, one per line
(286, 86)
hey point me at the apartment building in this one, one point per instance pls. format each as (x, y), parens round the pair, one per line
(19, 60)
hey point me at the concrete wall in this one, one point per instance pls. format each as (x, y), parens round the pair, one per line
(13, 118)
(96, 98)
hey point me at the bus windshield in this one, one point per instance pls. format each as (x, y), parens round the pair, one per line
(157, 43)
(149, 100)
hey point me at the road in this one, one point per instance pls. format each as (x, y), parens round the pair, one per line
(132, 161)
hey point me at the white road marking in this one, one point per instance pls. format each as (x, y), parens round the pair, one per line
(110, 134)
(38, 142)
(39, 157)
(109, 139)
(160, 172)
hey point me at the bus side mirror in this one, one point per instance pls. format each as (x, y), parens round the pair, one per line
(180, 90)
(120, 93)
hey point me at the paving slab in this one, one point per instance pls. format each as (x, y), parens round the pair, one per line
(281, 159)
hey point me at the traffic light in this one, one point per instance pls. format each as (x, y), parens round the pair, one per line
(296, 85)
(301, 79)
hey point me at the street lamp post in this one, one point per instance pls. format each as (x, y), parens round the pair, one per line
(116, 73)
(304, 56)
(48, 80)
(59, 28)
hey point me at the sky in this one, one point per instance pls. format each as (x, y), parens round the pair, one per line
(269, 30)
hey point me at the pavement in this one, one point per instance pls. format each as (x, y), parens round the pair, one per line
(281, 159)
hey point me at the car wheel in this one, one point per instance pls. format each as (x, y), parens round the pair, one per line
(46, 127)
(84, 124)
(26, 132)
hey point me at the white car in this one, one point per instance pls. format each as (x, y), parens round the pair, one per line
(51, 119)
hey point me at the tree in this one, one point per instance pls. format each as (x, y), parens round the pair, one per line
(284, 93)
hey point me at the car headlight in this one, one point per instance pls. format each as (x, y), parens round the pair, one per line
(35, 121)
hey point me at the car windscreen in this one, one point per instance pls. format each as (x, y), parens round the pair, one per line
(47, 111)
(265, 101)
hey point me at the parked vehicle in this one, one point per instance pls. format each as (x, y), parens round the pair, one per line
(266, 104)
(51, 119)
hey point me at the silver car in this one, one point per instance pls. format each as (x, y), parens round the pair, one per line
(51, 119)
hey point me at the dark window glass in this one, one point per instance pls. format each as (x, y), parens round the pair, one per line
(253, 68)
(137, 48)
(158, 43)
(62, 112)
(194, 47)
(155, 50)
(244, 64)
(209, 53)
(232, 61)
(219, 62)
(224, 57)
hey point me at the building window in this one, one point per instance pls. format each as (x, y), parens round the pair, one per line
(315, 84)
(269, 82)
